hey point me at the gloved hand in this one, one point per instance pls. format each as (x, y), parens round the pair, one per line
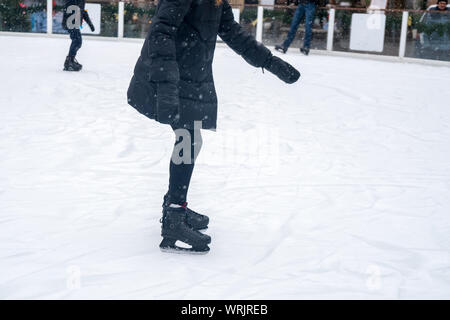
(282, 69)
(167, 102)
(92, 28)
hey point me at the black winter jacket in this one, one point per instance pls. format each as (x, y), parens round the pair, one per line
(83, 15)
(173, 81)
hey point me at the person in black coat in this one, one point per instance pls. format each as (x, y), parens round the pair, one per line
(73, 15)
(173, 84)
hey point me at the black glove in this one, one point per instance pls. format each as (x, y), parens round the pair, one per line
(167, 102)
(92, 28)
(282, 69)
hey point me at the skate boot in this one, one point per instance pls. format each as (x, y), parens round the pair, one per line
(305, 51)
(77, 63)
(281, 48)
(196, 220)
(175, 228)
(71, 65)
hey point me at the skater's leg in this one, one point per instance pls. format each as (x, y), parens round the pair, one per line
(309, 21)
(71, 64)
(182, 164)
(298, 16)
(175, 220)
(186, 149)
(77, 41)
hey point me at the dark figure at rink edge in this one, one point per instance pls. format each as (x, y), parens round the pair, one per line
(173, 84)
(306, 9)
(74, 14)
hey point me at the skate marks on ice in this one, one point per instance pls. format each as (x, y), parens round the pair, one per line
(352, 202)
(375, 144)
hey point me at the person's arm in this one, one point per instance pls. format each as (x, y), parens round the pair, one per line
(88, 20)
(163, 68)
(255, 53)
(243, 43)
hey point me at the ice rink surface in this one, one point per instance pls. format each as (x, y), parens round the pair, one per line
(337, 186)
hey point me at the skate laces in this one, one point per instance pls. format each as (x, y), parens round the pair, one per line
(174, 205)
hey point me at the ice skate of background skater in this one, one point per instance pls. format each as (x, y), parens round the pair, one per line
(173, 84)
(74, 14)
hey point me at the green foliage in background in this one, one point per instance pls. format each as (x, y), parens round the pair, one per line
(131, 10)
(283, 15)
(430, 28)
(393, 21)
(248, 15)
(344, 20)
(13, 17)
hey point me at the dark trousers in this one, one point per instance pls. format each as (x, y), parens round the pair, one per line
(188, 143)
(306, 11)
(77, 41)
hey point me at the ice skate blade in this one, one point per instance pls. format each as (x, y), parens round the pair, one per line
(179, 250)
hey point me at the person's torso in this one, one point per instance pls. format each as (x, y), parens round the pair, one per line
(69, 11)
(197, 34)
(203, 17)
(196, 39)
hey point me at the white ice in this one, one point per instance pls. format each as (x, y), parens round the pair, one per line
(337, 186)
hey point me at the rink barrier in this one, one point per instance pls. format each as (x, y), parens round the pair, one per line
(259, 24)
(49, 16)
(259, 29)
(330, 33)
(403, 34)
(353, 55)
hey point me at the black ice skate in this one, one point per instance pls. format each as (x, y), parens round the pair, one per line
(72, 65)
(77, 63)
(175, 228)
(194, 219)
(305, 51)
(281, 48)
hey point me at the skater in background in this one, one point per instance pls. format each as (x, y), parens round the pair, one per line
(306, 9)
(74, 14)
(173, 84)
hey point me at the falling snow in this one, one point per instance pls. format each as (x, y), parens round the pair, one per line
(351, 200)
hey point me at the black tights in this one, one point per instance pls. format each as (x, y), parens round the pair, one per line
(182, 163)
(77, 41)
